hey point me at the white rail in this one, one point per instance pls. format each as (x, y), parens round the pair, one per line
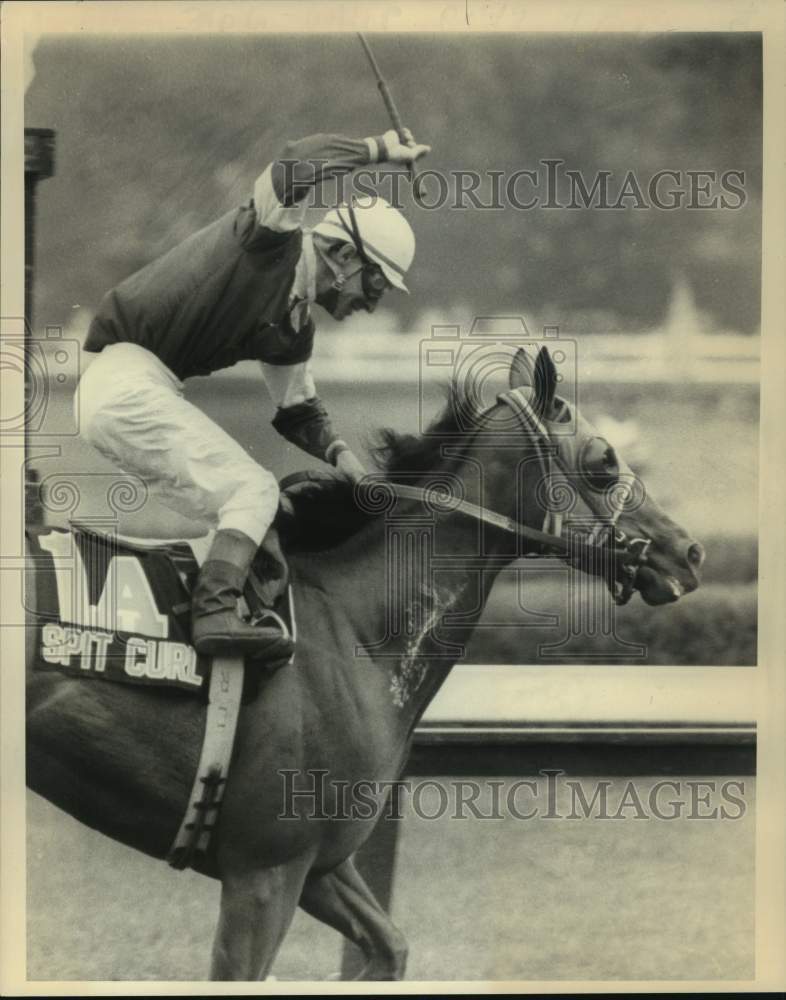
(503, 704)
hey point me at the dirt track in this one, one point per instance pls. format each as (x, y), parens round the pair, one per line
(538, 899)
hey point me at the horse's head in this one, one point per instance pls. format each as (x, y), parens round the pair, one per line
(651, 553)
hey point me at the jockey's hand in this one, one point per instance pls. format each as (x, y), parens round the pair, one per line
(403, 151)
(349, 466)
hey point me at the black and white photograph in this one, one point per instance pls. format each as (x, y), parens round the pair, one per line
(392, 447)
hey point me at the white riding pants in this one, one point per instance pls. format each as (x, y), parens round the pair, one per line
(131, 409)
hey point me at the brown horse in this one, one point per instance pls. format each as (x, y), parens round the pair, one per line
(122, 759)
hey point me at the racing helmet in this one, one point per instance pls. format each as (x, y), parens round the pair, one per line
(379, 232)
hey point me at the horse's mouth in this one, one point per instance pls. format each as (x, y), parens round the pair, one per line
(657, 588)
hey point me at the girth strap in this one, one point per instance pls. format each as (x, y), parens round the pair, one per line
(226, 689)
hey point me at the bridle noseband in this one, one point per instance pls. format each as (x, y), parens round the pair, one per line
(621, 555)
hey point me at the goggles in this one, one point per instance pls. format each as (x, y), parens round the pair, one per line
(373, 277)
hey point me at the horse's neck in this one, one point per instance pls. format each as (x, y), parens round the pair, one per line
(394, 584)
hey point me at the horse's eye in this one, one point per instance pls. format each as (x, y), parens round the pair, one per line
(598, 462)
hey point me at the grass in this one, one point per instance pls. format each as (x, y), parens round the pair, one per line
(730, 559)
(715, 626)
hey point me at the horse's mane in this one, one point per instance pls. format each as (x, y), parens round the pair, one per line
(326, 512)
(402, 456)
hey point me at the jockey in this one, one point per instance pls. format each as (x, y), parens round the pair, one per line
(242, 288)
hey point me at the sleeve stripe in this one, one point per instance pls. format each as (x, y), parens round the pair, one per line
(270, 212)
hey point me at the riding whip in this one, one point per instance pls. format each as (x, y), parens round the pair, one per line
(395, 117)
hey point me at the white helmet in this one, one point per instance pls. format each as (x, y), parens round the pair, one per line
(378, 231)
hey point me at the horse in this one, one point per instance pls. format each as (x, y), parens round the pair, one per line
(473, 493)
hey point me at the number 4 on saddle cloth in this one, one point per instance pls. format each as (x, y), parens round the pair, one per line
(119, 610)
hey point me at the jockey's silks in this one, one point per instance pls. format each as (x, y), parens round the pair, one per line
(219, 297)
(224, 294)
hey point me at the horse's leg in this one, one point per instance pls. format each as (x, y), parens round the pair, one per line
(256, 910)
(342, 899)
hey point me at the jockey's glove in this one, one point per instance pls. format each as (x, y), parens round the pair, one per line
(308, 426)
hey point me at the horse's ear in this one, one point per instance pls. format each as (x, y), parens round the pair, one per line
(545, 382)
(521, 370)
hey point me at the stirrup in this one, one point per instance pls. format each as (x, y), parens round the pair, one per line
(221, 637)
(265, 615)
(282, 647)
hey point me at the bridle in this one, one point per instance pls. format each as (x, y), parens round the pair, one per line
(610, 553)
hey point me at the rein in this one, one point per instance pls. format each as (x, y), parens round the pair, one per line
(617, 558)
(624, 556)
(433, 499)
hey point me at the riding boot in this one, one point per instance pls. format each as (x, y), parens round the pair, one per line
(216, 627)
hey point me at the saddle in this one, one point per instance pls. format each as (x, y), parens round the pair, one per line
(116, 608)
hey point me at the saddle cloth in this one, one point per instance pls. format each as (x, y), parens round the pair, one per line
(113, 610)
(118, 609)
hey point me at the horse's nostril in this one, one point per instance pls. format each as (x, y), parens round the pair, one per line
(696, 555)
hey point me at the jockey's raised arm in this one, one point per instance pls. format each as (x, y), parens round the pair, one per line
(281, 190)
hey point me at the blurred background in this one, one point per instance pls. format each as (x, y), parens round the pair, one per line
(157, 136)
